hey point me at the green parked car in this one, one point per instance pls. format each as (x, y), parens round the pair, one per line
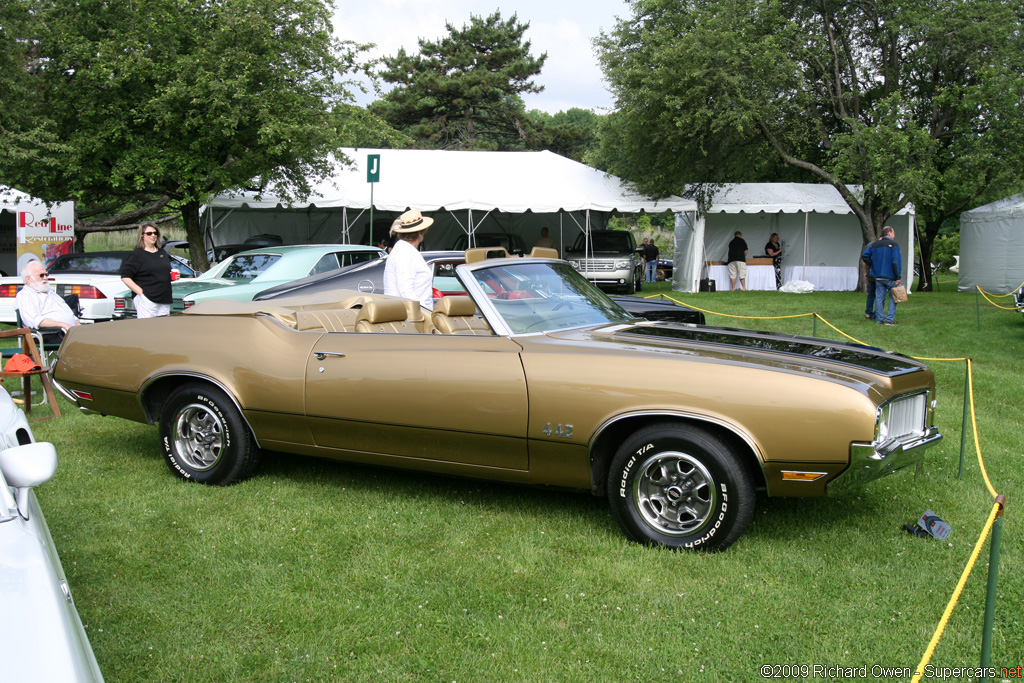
(244, 275)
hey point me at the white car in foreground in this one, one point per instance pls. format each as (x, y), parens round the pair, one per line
(41, 634)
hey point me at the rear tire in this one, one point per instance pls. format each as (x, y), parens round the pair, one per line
(204, 437)
(680, 486)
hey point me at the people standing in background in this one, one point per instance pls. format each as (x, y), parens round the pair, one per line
(545, 240)
(774, 250)
(406, 274)
(884, 262)
(650, 253)
(869, 305)
(737, 261)
(147, 272)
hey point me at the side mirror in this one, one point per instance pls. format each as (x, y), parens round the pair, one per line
(28, 466)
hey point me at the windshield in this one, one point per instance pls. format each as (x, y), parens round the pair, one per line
(610, 240)
(246, 266)
(543, 297)
(94, 263)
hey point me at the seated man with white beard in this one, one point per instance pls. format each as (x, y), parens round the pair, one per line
(40, 306)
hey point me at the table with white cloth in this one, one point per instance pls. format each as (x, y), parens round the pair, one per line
(758, 277)
(824, 278)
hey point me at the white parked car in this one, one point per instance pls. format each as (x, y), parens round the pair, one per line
(94, 276)
(41, 634)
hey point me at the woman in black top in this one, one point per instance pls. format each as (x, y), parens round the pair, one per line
(774, 250)
(147, 272)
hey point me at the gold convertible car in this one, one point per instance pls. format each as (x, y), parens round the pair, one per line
(533, 377)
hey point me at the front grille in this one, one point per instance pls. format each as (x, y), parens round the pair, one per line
(597, 266)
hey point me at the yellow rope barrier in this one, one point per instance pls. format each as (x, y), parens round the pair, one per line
(930, 650)
(986, 295)
(999, 296)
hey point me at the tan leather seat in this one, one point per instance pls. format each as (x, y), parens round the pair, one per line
(457, 315)
(543, 252)
(339, 320)
(385, 315)
(415, 316)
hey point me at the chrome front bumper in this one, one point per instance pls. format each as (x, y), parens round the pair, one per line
(870, 461)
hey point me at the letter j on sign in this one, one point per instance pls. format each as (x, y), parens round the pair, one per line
(372, 168)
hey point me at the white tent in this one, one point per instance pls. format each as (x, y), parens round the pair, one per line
(465, 193)
(820, 236)
(992, 247)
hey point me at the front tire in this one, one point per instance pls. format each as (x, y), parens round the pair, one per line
(681, 487)
(204, 437)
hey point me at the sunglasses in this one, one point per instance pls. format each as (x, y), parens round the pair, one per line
(147, 234)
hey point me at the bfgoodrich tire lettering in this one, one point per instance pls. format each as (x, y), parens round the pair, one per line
(679, 486)
(204, 438)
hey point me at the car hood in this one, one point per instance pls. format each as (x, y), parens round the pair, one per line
(728, 345)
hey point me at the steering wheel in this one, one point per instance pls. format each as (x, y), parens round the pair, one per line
(564, 303)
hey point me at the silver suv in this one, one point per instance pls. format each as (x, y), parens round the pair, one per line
(608, 258)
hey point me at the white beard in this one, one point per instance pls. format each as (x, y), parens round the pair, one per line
(39, 285)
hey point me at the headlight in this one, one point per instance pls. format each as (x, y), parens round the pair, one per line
(901, 417)
(619, 265)
(575, 264)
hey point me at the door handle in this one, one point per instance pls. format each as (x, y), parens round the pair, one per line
(320, 355)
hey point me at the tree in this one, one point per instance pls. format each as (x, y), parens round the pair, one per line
(464, 90)
(909, 100)
(573, 133)
(160, 103)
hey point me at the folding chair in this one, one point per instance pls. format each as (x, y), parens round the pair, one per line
(29, 348)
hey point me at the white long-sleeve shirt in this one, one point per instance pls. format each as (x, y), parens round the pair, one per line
(36, 307)
(407, 275)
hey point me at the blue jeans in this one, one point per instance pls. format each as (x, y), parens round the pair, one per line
(869, 305)
(651, 270)
(883, 293)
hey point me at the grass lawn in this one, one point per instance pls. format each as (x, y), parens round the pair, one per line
(320, 571)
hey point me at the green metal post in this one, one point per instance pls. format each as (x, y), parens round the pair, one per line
(963, 422)
(814, 333)
(990, 597)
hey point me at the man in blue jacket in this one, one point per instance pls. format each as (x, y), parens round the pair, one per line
(884, 261)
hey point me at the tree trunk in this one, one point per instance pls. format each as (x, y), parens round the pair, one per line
(194, 235)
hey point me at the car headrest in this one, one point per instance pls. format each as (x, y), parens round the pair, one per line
(383, 311)
(482, 253)
(455, 305)
(543, 252)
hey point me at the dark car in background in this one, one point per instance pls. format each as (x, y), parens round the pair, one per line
(368, 278)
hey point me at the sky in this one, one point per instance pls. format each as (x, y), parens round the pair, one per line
(563, 28)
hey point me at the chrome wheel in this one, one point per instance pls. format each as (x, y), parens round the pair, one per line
(674, 493)
(198, 436)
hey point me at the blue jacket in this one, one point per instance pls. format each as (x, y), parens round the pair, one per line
(883, 258)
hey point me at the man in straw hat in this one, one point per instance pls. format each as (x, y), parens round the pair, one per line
(406, 274)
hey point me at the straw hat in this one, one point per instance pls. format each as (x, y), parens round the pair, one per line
(411, 221)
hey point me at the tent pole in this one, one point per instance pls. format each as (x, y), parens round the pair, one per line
(807, 220)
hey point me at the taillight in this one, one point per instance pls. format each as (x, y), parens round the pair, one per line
(9, 290)
(87, 292)
(436, 293)
(188, 304)
(119, 304)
